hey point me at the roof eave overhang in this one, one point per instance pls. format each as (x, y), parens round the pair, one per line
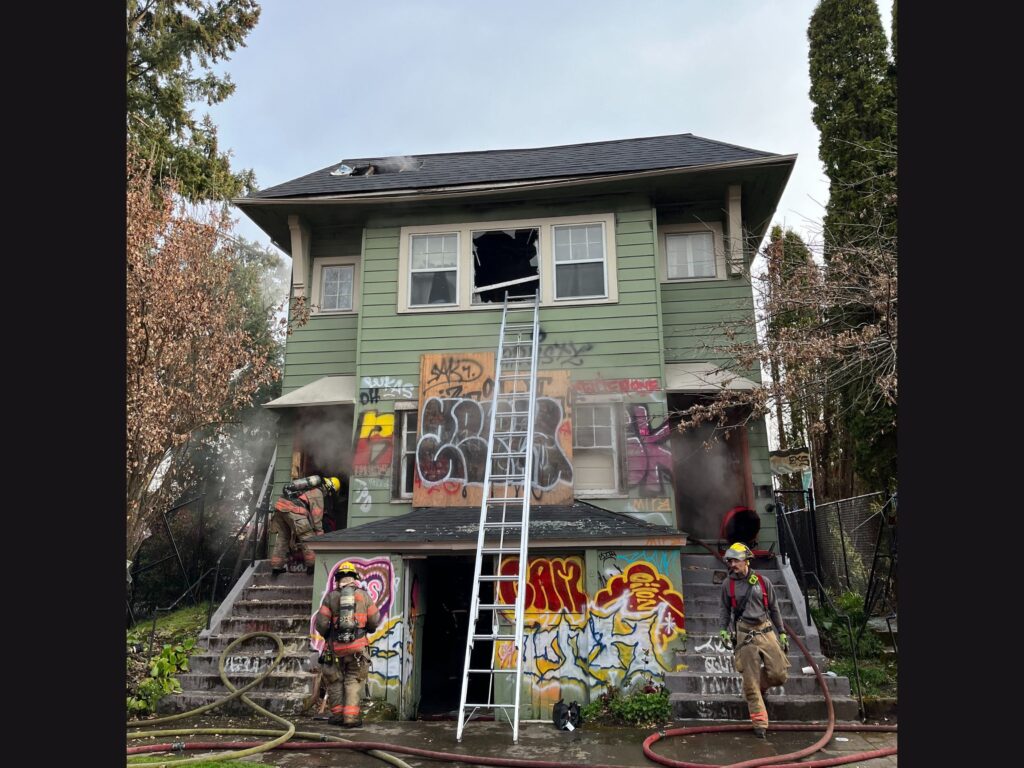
(477, 190)
(469, 545)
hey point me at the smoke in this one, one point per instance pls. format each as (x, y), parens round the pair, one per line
(324, 435)
(709, 479)
(398, 164)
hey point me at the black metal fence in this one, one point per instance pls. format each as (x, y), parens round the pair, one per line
(849, 544)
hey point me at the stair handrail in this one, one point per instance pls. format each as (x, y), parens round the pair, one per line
(823, 596)
(253, 531)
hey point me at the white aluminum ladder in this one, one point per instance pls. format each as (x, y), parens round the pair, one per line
(505, 509)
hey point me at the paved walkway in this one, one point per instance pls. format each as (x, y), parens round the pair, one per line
(540, 741)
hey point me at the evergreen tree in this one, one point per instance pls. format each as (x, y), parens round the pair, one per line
(853, 87)
(171, 48)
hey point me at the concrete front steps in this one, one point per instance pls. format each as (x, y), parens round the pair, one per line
(259, 602)
(710, 688)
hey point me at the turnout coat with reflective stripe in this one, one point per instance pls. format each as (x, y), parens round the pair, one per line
(366, 614)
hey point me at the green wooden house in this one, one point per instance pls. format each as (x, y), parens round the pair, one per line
(640, 248)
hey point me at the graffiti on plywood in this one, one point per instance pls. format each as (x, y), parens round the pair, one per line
(374, 445)
(451, 451)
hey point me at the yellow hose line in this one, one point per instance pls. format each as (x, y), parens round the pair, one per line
(282, 737)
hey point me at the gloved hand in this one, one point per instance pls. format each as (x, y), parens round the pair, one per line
(784, 641)
(726, 638)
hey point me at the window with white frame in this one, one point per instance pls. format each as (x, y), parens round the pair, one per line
(434, 270)
(454, 267)
(579, 262)
(595, 449)
(406, 422)
(692, 252)
(335, 284)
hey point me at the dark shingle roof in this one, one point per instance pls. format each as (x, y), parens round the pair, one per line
(578, 521)
(455, 168)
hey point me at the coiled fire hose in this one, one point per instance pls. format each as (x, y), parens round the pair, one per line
(244, 748)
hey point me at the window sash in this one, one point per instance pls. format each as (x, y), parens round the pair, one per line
(408, 422)
(580, 260)
(337, 283)
(690, 255)
(434, 269)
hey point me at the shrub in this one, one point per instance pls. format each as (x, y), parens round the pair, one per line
(161, 681)
(645, 706)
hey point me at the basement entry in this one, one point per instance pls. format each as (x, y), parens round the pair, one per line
(449, 582)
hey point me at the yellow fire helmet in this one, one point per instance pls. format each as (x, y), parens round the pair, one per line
(333, 482)
(739, 552)
(347, 568)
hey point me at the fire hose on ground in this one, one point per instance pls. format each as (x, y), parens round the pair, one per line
(380, 750)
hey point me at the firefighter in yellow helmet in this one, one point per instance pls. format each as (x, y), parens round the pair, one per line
(346, 616)
(298, 517)
(750, 608)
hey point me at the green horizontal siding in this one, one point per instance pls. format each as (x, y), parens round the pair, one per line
(325, 346)
(696, 317)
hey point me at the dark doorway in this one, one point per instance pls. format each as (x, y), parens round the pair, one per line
(450, 581)
(322, 446)
(710, 469)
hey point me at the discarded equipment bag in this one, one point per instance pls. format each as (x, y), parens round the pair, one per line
(566, 717)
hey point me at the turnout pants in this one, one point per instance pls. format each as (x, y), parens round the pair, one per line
(345, 680)
(762, 648)
(292, 533)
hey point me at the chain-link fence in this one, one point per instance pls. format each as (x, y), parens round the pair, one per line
(850, 544)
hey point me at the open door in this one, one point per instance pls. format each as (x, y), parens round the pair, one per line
(415, 603)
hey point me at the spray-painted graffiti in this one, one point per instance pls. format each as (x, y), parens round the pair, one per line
(377, 578)
(648, 460)
(377, 388)
(375, 444)
(662, 559)
(362, 495)
(650, 504)
(615, 386)
(451, 451)
(566, 353)
(553, 585)
(647, 590)
(624, 632)
(453, 442)
(467, 375)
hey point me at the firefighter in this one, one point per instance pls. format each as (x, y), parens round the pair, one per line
(346, 616)
(751, 618)
(298, 517)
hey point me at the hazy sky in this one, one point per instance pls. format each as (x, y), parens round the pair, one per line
(322, 80)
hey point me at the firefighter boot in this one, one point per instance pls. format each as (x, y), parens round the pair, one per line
(761, 733)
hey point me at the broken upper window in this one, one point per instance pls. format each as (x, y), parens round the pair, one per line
(505, 260)
(434, 269)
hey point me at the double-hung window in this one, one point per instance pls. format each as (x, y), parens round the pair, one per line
(469, 266)
(579, 262)
(595, 448)
(434, 270)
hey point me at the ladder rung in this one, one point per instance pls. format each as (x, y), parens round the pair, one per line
(492, 672)
(502, 525)
(499, 577)
(467, 705)
(500, 550)
(494, 637)
(511, 433)
(495, 607)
